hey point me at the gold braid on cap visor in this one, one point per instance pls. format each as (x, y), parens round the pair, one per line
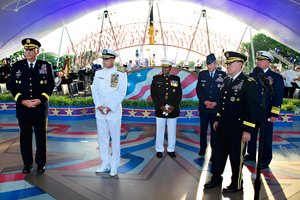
(233, 59)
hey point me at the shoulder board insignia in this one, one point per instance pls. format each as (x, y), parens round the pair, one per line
(251, 79)
(120, 70)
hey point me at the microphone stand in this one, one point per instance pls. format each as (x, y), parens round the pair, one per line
(257, 184)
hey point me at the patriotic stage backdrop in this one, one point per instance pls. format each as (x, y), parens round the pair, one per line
(139, 83)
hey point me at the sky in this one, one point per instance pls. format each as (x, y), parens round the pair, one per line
(178, 12)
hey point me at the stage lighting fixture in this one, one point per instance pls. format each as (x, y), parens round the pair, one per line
(105, 13)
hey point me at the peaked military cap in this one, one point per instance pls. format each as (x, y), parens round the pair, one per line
(264, 55)
(108, 53)
(30, 43)
(166, 63)
(210, 58)
(232, 56)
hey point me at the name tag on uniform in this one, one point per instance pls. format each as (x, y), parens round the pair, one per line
(174, 83)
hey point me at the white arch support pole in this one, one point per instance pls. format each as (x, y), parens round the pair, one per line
(194, 34)
(61, 37)
(252, 47)
(162, 32)
(238, 48)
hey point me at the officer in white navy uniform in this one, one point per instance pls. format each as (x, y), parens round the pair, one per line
(108, 91)
(166, 94)
(31, 83)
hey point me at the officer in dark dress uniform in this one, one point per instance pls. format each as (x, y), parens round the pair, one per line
(208, 92)
(272, 108)
(5, 70)
(166, 94)
(235, 122)
(31, 83)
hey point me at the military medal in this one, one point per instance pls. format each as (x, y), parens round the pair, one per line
(41, 82)
(114, 79)
(219, 79)
(270, 79)
(43, 69)
(232, 99)
(18, 73)
(174, 83)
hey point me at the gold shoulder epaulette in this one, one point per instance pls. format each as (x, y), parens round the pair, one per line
(251, 79)
(120, 70)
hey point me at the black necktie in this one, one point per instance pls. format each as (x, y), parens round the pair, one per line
(211, 75)
(230, 81)
(31, 67)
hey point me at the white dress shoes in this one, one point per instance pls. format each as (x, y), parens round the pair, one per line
(103, 168)
(113, 172)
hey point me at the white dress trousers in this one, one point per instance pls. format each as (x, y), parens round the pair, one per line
(160, 134)
(109, 89)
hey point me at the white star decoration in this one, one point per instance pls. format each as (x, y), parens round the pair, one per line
(297, 112)
(55, 112)
(128, 84)
(138, 74)
(69, 112)
(4, 106)
(146, 114)
(285, 118)
(189, 114)
(132, 113)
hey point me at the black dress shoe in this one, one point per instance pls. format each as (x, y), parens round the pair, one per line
(212, 183)
(201, 153)
(172, 154)
(159, 154)
(41, 170)
(26, 169)
(230, 189)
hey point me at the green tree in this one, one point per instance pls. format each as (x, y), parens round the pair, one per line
(265, 43)
(191, 64)
(180, 64)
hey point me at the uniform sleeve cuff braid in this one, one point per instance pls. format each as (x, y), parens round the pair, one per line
(249, 124)
(275, 110)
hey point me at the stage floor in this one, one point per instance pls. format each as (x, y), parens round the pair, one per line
(73, 157)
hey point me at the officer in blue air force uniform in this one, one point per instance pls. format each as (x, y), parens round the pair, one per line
(208, 92)
(273, 104)
(235, 122)
(31, 83)
(108, 91)
(166, 94)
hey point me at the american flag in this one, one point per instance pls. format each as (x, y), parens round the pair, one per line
(139, 83)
